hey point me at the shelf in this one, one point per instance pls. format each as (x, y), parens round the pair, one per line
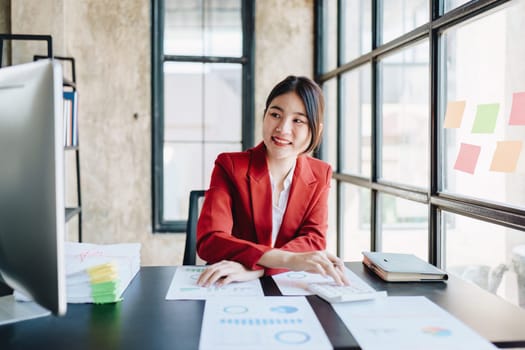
(69, 83)
(71, 212)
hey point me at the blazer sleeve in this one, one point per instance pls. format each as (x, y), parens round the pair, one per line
(215, 239)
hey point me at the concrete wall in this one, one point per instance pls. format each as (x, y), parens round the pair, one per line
(5, 27)
(110, 41)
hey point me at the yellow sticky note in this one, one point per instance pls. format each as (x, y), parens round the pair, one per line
(103, 272)
(454, 114)
(506, 156)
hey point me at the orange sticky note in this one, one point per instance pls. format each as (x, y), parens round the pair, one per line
(506, 156)
(454, 114)
(467, 158)
(517, 112)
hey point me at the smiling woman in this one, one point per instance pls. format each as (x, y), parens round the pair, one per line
(266, 208)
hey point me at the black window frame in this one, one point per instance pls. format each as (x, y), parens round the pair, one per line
(159, 224)
(432, 196)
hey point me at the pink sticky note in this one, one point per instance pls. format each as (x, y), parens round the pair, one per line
(517, 112)
(467, 158)
(506, 156)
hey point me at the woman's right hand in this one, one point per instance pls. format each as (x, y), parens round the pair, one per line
(320, 261)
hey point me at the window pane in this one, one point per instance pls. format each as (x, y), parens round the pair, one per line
(405, 116)
(404, 226)
(356, 221)
(222, 102)
(183, 28)
(211, 151)
(452, 4)
(203, 28)
(183, 107)
(202, 101)
(357, 118)
(223, 28)
(182, 164)
(491, 256)
(485, 81)
(401, 16)
(356, 29)
(330, 123)
(329, 35)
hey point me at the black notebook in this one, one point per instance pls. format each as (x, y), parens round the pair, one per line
(399, 267)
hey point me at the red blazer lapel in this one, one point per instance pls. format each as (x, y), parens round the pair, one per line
(261, 195)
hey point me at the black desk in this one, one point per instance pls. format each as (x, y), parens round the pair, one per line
(145, 320)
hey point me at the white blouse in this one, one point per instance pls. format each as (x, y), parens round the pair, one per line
(279, 203)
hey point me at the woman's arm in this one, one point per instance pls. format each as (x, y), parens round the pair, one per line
(227, 208)
(225, 272)
(321, 262)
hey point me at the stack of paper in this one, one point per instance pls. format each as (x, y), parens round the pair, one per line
(100, 273)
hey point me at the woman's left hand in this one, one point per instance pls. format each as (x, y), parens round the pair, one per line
(225, 272)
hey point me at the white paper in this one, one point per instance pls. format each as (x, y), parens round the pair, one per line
(82, 256)
(407, 323)
(269, 323)
(184, 286)
(296, 283)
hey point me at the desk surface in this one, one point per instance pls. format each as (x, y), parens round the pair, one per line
(145, 320)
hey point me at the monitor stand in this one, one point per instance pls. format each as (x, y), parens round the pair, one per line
(16, 311)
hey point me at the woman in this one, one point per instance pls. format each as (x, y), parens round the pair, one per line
(265, 211)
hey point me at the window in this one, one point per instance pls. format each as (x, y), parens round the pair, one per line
(427, 133)
(202, 97)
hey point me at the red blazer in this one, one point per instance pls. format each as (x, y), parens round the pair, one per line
(236, 218)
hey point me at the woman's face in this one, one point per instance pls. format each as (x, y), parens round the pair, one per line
(286, 132)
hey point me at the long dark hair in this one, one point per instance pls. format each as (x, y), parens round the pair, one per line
(312, 97)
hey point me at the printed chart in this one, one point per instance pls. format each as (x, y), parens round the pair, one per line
(184, 286)
(261, 323)
(407, 323)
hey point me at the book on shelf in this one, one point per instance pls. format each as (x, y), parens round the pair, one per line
(70, 118)
(400, 267)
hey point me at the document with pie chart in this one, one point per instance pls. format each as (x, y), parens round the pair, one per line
(407, 323)
(250, 323)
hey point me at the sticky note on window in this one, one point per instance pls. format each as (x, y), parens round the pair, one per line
(506, 156)
(467, 158)
(485, 120)
(517, 112)
(454, 114)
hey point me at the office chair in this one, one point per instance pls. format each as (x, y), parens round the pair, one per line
(190, 249)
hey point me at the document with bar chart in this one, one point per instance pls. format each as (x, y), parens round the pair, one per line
(251, 323)
(184, 286)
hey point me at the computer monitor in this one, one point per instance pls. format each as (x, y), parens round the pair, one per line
(32, 211)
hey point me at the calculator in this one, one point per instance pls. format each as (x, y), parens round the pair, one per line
(334, 293)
